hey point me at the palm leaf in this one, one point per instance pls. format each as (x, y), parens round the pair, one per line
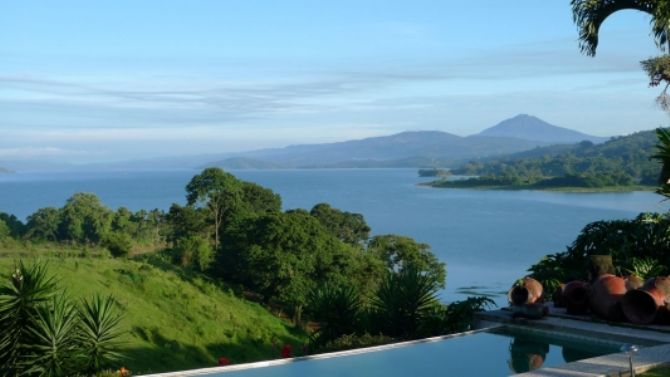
(100, 330)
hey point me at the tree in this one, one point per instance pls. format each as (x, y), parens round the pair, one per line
(590, 14)
(16, 227)
(348, 227)
(218, 191)
(185, 222)
(260, 200)
(399, 253)
(43, 224)
(84, 219)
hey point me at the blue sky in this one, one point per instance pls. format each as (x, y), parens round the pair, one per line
(111, 80)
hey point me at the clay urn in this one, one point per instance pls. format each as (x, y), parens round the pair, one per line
(576, 296)
(526, 291)
(645, 305)
(606, 294)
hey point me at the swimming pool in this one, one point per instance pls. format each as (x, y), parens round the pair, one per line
(495, 352)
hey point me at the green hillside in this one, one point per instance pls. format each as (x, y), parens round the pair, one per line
(174, 319)
(622, 162)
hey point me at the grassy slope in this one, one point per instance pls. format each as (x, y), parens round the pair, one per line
(175, 320)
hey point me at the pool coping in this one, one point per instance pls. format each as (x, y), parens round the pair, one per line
(319, 356)
(615, 364)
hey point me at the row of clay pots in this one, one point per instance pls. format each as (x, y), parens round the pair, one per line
(616, 299)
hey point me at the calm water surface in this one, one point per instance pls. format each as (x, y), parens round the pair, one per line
(487, 238)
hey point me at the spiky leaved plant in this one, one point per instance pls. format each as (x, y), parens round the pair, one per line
(337, 309)
(100, 331)
(53, 348)
(20, 298)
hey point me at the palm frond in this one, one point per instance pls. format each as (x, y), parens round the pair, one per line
(100, 331)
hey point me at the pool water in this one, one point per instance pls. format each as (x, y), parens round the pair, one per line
(498, 352)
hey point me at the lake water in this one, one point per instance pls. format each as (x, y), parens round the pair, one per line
(487, 238)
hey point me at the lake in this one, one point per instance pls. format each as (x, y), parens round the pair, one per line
(487, 238)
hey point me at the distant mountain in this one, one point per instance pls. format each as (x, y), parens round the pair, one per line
(528, 127)
(406, 149)
(4, 170)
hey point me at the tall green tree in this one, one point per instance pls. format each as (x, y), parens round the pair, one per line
(218, 191)
(348, 227)
(84, 219)
(43, 224)
(399, 253)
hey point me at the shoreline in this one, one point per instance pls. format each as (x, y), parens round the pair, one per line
(567, 189)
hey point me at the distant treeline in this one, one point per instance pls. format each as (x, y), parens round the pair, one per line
(620, 162)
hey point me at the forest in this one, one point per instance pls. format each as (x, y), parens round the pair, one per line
(621, 162)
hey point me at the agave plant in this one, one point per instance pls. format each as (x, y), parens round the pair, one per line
(403, 300)
(20, 298)
(338, 311)
(44, 334)
(100, 330)
(53, 349)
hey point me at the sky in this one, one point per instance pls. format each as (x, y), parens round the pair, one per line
(122, 79)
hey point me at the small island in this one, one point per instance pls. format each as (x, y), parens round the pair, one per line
(620, 164)
(434, 172)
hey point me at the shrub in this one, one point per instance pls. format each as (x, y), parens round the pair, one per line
(119, 244)
(194, 251)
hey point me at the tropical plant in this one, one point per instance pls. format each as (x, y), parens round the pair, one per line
(100, 330)
(337, 309)
(404, 300)
(51, 346)
(590, 14)
(28, 288)
(46, 334)
(663, 155)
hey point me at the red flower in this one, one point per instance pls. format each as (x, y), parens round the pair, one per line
(287, 351)
(223, 361)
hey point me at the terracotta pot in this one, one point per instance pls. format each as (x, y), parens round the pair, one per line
(633, 282)
(576, 295)
(525, 292)
(606, 295)
(644, 306)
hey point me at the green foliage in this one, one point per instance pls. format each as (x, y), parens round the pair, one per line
(645, 268)
(259, 200)
(100, 332)
(52, 347)
(29, 287)
(349, 227)
(43, 224)
(5, 232)
(399, 253)
(631, 243)
(219, 192)
(45, 334)
(590, 14)
(404, 301)
(338, 311)
(84, 219)
(620, 162)
(663, 156)
(118, 244)
(195, 252)
(16, 227)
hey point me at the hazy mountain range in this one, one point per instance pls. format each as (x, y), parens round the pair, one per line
(405, 149)
(413, 149)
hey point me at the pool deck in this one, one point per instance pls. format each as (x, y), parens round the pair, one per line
(609, 365)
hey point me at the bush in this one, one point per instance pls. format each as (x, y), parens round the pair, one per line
(119, 244)
(195, 252)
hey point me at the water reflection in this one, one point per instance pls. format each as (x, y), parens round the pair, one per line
(529, 353)
(526, 354)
